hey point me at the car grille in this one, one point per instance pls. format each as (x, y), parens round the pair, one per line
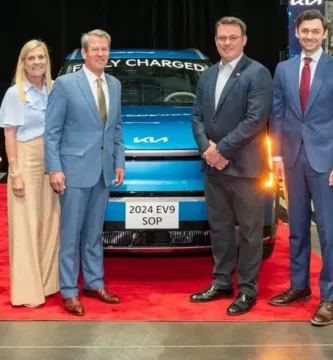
(132, 238)
(118, 237)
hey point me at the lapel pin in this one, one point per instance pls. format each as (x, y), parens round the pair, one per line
(237, 74)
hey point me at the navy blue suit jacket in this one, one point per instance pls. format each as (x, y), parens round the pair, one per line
(289, 128)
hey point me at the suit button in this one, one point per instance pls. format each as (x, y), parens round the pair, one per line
(102, 147)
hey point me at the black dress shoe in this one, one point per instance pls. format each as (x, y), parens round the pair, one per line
(241, 305)
(212, 293)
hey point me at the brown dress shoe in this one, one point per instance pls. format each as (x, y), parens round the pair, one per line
(291, 296)
(324, 314)
(103, 295)
(74, 306)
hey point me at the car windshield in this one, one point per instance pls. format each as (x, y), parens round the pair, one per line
(154, 82)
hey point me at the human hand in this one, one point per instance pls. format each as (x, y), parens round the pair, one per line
(119, 179)
(57, 181)
(330, 180)
(18, 187)
(211, 155)
(222, 163)
(278, 169)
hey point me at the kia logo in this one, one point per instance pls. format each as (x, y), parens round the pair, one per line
(305, 2)
(150, 139)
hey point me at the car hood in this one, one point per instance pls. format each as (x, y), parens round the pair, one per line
(157, 128)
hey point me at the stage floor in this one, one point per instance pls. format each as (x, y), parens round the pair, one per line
(166, 340)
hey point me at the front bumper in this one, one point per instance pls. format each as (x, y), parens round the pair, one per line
(189, 233)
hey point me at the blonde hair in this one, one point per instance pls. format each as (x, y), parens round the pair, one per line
(20, 74)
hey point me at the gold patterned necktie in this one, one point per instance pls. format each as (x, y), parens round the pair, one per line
(101, 101)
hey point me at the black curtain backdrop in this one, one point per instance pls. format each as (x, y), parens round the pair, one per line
(157, 24)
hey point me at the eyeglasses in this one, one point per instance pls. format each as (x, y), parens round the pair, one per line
(232, 39)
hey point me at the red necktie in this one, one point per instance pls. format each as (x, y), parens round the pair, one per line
(305, 83)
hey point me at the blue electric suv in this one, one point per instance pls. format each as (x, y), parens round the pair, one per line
(161, 206)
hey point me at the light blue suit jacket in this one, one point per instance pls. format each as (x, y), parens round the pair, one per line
(289, 128)
(75, 140)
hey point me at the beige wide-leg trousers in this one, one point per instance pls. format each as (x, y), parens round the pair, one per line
(33, 224)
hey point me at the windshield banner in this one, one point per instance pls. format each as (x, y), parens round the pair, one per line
(173, 64)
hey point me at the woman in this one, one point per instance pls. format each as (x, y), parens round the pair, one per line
(33, 207)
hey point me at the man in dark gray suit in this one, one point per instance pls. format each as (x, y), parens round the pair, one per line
(234, 99)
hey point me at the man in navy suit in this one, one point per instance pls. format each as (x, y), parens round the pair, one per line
(234, 99)
(83, 149)
(302, 129)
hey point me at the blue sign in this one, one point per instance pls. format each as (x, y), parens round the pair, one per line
(295, 7)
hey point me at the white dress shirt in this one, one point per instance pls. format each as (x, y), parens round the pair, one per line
(92, 79)
(224, 73)
(313, 66)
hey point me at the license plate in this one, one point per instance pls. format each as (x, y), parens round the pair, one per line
(152, 215)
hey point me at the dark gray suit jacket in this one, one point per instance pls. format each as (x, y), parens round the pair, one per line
(238, 125)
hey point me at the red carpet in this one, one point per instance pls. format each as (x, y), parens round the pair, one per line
(157, 289)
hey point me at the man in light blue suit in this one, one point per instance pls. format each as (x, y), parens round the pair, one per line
(83, 149)
(302, 129)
